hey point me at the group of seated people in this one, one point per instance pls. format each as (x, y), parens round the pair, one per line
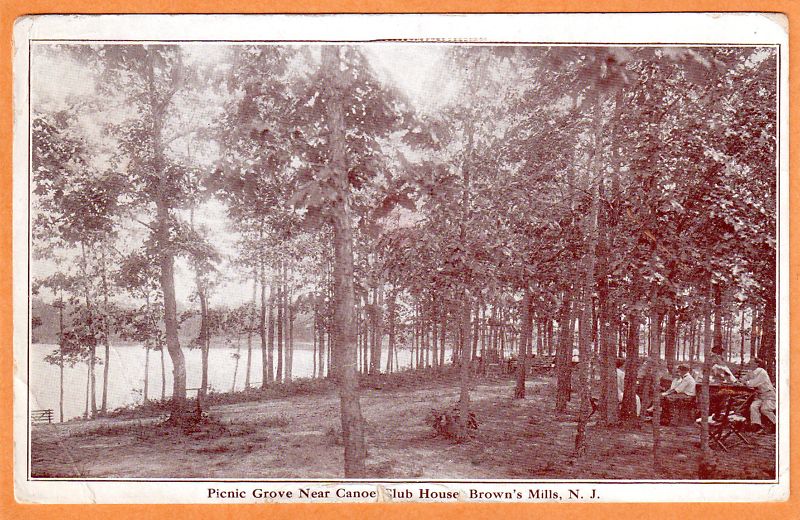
(684, 387)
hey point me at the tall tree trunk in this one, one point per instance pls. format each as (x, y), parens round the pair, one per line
(392, 308)
(344, 326)
(163, 374)
(609, 404)
(423, 337)
(375, 366)
(596, 363)
(236, 365)
(287, 328)
(270, 334)
(476, 330)
(654, 335)
(670, 338)
(718, 346)
(61, 358)
(160, 348)
(502, 333)
(369, 330)
(540, 348)
(415, 340)
(166, 256)
(463, 400)
(396, 359)
(166, 259)
(93, 343)
(628, 407)
(525, 340)
(279, 321)
(250, 328)
(106, 331)
(322, 349)
(705, 451)
(88, 386)
(290, 342)
(434, 336)
(564, 354)
(584, 353)
(483, 338)
(203, 339)
(425, 341)
(443, 338)
(754, 332)
(620, 338)
(361, 336)
(145, 395)
(729, 337)
(167, 277)
(767, 351)
(330, 352)
(314, 326)
(683, 332)
(608, 216)
(590, 258)
(494, 331)
(742, 333)
(430, 327)
(344, 330)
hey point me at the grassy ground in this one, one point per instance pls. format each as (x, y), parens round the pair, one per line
(297, 436)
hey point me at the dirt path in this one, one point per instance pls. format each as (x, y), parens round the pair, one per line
(298, 437)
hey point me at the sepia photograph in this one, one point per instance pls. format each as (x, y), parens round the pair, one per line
(333, 261)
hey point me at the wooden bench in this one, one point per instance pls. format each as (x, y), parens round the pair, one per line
(42, 416)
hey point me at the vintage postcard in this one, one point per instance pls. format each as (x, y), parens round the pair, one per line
(401, 258)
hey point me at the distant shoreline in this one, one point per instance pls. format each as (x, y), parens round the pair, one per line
(298, 345)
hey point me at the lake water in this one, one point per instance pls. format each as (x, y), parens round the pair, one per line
(126, 374)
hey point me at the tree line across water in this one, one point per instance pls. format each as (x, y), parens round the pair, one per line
(539, 200)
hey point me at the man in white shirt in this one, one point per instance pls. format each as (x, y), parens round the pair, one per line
(683, 385)
(683, 388)
(764, 403)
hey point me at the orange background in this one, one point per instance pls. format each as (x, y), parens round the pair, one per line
(9, 509)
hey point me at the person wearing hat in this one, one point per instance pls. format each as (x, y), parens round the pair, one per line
(764, 403)
(720, 372)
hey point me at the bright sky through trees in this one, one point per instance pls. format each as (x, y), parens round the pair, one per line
(416, 69)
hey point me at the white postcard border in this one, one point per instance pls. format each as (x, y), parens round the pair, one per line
(599, 29)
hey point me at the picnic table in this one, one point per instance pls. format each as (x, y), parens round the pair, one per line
(738, 395)
(728, 403)
(535, 364)
(728, 407)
